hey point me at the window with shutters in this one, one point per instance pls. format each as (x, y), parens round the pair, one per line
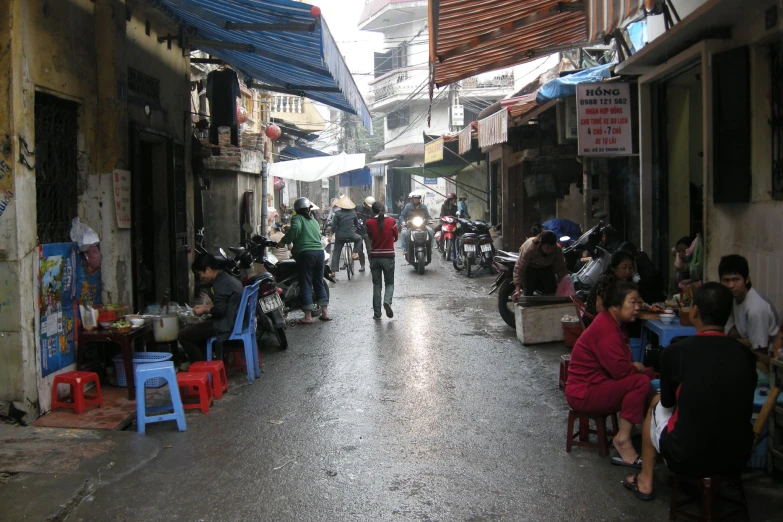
(731, 126)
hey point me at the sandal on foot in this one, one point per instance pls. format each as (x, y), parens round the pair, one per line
(634, 486)
(618, 461)
(302, 321)
(322, 318)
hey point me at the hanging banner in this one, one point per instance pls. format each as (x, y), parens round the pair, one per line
(464, 140)
(58, 290)
(122, 197)
(604, 119)
(433, 151)
(493, 129)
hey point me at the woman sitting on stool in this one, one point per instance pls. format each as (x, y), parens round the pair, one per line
(602, 377)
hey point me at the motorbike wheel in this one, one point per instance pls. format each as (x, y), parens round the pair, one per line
(420, 261)
(505, 305)
(282, 340)
(447, 248)
(459, 260)
(468, 265)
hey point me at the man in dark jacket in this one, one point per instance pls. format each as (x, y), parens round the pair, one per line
(225, 294)
(415, 209)
(344, 223)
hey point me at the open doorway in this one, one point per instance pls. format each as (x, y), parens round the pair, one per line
(159, 244)
(678, 181)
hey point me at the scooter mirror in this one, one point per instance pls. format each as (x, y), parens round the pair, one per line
(247, 228)
(223, 252)
(565, 238)
(600, 214)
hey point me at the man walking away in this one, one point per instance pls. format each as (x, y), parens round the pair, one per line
(383, 234)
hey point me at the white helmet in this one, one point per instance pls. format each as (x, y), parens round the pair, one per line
(369, 200)
(415, 194)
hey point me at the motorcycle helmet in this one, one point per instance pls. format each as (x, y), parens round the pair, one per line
(369, 200)
(415, 194)
(451, 195)
(302, 204)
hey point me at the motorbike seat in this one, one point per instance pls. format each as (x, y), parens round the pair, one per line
(468, 235)
(287, 262)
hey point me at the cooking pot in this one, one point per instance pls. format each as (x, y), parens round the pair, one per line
(166, 328)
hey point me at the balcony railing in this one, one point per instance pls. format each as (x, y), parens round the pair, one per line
(287, 104)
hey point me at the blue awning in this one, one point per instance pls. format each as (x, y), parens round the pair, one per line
(566, 86)
(356, 178)
(300, 152)
(283, 59)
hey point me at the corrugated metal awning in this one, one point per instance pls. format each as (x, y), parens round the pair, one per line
(277, 42)
(469, 37)
(413, 149)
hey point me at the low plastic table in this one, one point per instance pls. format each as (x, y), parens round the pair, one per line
(126, 341)
(665, 332)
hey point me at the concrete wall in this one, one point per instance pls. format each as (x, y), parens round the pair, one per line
(78, 50)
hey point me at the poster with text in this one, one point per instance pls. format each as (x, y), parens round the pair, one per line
(604, 119)
(122, 197)
(57, 282)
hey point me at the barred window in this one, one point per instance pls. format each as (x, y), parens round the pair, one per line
(56, 175)
(143, 85)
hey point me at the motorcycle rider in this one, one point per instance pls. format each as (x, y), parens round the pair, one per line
(411, 210)
(364, 213)
(449, 207)
(540, 266)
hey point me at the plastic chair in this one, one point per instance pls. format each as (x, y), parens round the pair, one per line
(584, 431)
(200, 384)
(709, 495)
(245, 331)
(217, 375)
(164, 370)
(581, 311)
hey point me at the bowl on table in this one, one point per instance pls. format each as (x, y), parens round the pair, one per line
(106, 324)
(667, 317)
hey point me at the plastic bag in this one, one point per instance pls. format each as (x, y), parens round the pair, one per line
(83, 235)
(565, 288)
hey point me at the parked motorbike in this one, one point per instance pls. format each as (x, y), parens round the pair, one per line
(270, 314)
(286, 274)
(446, 235)
(474, 248)
(419, 253)
(504, 284)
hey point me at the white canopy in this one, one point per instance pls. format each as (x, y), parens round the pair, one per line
(315, 169)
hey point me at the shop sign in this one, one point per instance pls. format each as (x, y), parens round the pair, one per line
(430, 181)
(433, 151)
(122, 197)
(604, 119)
(378, 170)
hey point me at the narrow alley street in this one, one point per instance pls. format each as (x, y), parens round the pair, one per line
(437, 414)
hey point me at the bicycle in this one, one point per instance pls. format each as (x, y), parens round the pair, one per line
(348, 259)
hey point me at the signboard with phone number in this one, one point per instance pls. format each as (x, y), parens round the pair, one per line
(604, 119)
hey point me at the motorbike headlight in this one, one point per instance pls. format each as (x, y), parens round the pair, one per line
(417, 221)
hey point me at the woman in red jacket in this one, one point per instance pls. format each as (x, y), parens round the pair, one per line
(383, 233)
(602, 377)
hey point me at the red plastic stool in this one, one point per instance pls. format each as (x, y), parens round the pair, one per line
(584, 431)
(708, 491)
(217, 373)
(198, 382)
(239, 362)
(564, 360)
(76, 381)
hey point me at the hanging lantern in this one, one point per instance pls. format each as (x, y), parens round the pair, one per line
(273, 132)
(242, 115)
(315, 11)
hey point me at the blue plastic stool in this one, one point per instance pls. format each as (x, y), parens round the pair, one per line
(245, 331)
(164, 370)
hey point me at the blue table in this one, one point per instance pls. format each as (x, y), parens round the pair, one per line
(665, 332)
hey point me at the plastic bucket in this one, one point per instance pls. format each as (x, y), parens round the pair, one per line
(571, 332)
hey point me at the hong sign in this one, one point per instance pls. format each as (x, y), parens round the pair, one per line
(604, 119)
(433, 151)
(430, 181)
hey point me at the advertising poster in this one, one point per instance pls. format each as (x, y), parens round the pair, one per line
(57, 272)
(122, 197)
(604, 119)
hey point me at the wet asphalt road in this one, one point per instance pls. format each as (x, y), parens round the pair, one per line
(437, 414)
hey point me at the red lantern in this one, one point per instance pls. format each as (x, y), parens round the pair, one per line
(242, 115)
(315, 11)
(273, 132)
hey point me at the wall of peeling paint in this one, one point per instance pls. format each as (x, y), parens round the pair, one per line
(78, 50)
